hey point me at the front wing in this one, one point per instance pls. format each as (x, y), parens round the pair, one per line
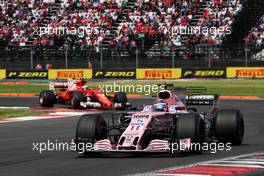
(155, 146)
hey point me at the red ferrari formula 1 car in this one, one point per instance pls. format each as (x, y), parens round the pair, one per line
(78, 95)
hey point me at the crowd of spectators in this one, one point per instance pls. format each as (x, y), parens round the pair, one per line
(216, 19)
(83, 22)
(18, 19)
(74, 22)
(161, 19)
(154, 19)
(256, 34)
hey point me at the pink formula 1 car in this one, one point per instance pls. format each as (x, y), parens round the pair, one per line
(172, 123)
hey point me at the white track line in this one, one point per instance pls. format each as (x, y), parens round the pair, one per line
(234, 165)
(241, 162)
(13, 107)
(40, 117)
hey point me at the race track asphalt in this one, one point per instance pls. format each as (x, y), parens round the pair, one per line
(18, 158)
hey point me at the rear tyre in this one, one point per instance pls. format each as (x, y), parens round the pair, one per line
(77, 98)
(91, 128)
(120, 97)
(191, 126)
(229, 126)
(47, 98)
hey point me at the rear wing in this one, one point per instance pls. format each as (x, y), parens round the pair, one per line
(56, 85)
(60, 85)
(196, 90)
(193, 95)
(202, 99)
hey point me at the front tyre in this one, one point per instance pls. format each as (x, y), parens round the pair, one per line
(47, 98)
(229, 126)
(91, 128)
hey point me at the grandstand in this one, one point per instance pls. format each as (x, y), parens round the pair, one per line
(136, 33)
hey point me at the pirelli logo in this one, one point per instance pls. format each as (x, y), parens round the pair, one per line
(245, 72)
(69, 74)
(249, 73)
(159, 73)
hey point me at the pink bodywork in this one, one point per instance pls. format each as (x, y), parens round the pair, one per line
(135, 131)
(129, 140)
(131, 137)
(173, 100)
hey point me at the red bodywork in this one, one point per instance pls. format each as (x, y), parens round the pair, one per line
(71, 86)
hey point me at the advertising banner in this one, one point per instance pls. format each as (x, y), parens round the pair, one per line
(245, 72)
(204, 73)
(70, 73)
(27, 75)
(116, 74)
(159, 73)
(2, 74)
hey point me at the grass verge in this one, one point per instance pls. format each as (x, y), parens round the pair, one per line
(10, 113)
(221, 87)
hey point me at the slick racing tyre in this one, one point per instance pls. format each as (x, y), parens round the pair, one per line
(191, 126)
(77, 98)
(91, 127)
(229, 126)
(120, 97)
(47, 98)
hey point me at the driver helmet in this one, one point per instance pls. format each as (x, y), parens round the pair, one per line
(161, 107)
(80, 82)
